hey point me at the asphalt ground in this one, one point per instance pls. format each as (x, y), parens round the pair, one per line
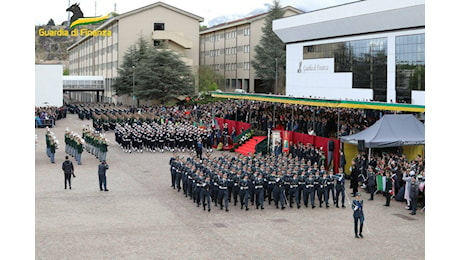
(142, 217)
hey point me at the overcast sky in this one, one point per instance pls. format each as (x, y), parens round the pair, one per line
(208, 9)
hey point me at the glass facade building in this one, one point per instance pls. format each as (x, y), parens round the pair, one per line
(367, 60)
(410, 65)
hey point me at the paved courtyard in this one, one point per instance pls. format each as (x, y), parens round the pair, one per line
(142, 217)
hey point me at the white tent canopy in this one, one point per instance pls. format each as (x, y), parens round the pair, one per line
(390, 131)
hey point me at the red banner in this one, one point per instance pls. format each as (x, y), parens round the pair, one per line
(289, 138)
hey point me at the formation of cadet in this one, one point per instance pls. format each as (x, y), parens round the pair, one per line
(74, 144)
(95, 143)
(281, 179)
(90, 110)
(158, 136)
(52, 144)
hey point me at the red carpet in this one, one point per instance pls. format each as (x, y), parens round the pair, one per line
(250, 145)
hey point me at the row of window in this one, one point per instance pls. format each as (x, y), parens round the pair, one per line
(226, 35)
(83, 84)
(231, 66)
(227, 51)
(100, 41)
(86, 70)
(85, 55)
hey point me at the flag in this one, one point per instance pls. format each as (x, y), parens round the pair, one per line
(381, 182)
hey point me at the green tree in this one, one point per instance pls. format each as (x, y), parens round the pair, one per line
(150, 73)
(209, 79)
(126, 80)
(163, 75)
(270, 55)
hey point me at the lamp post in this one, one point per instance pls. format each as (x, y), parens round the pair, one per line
(132, 91)
(276, 75)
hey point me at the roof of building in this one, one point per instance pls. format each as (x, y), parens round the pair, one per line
(360, 17)
(136, 11)
(322, 102)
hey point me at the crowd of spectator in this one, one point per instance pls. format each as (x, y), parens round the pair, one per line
(47, 116)
(320, 121)
(401, 170)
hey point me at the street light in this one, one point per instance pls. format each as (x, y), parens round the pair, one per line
(276, 75)
(134, 98)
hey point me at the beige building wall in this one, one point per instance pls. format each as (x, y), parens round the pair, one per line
(229, 49)
(102, 55)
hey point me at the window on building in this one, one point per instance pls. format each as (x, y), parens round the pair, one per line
(366, 59)
(246, 31)
(160, 43)
(410, 66)
(158, 26)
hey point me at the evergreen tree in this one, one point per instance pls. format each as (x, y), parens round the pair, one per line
(163, 75)
(126, 80)
(149, 73)
(270, 55)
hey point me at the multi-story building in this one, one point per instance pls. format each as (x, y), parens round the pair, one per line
(173, 28)
(364, 50)
(229, 49)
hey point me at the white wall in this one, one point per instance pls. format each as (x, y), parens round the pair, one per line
(316, 78)
(48, 85)
(418, 97)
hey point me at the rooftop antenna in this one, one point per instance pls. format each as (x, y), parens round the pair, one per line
(114, 7)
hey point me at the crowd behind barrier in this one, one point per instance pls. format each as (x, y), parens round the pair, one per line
(400, 169)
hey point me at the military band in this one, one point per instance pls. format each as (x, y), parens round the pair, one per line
(95, 143)
(52, 144)
(74, 144)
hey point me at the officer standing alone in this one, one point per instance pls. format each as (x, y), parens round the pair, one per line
(358, 215)
(68, 169)
(102, 168)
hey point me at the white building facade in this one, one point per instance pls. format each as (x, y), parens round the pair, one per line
(365, 50)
